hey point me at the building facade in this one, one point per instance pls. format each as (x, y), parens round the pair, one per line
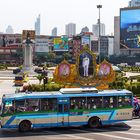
(37, 25)
(54, 31)
(117, 35)
(95, 29)
(9, 30)
(134, 3)
(85, 29)
(70, 29)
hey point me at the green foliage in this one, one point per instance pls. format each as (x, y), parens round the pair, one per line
(39, 77)
(48, 87)
(3, 67)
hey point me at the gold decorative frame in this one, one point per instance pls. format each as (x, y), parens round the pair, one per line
(86, 80)
(105, 78)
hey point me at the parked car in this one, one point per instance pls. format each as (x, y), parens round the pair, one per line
(15, 71)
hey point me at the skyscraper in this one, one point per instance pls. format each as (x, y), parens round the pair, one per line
(9, 30)
(70, 29)
(134, 3)
(37, 25)
(95, 29)
(54, 31)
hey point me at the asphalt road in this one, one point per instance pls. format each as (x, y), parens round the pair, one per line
(125, 131)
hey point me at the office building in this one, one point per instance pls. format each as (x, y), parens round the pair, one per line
(134, 3)
(95, 29)
(85, 29)
(37, 25)
(70, 29)
(54, 31)
(116, 35)
(9, 30)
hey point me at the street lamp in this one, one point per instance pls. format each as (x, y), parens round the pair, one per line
(99, 46)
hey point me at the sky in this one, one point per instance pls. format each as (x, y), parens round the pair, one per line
(22, 14)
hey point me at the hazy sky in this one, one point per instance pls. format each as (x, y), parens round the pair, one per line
(21, 14)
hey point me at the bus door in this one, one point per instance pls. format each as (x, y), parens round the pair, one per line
(63, 112)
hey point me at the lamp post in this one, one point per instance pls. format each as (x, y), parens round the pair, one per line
(99, 46)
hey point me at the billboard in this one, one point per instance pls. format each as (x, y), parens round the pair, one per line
(130, 28)
(61, 44)
(28, 35)
(85, 40)
(42, 44)
(9, 40)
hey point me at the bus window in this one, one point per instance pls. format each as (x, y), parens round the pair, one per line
(49, 104)
(124, 101)
(32, 105)
(110, 102)
(94, 102)
(20, 105)
(8, 107)
(78, 103)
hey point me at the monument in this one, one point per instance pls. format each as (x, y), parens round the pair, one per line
(28, 42)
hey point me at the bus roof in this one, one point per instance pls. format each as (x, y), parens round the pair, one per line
(78, 90)
(57, 94)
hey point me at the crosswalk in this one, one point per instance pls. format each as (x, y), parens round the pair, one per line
(129, 130)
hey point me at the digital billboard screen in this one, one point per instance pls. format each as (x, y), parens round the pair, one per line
(130, 28)
(61, 44)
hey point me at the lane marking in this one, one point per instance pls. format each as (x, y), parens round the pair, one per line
(118, 128)
(129, 133)
(71, 136)
(107, 135)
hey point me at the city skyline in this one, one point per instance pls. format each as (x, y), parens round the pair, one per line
(58, 13)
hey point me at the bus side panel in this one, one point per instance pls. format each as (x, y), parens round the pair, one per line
(77, 120)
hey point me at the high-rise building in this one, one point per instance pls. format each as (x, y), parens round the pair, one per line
(54, 31)
(37, 25)
(116, 35)
(9, 30)
(134, 3)
(70, 29)
(95, 29)
(85, 29)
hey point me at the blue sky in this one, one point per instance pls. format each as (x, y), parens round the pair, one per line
(21, 14)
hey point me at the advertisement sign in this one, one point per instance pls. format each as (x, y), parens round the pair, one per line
(8, 40)
(28, 34)
(85, 40)
(42, 44)
(130, 28)
(61, 44)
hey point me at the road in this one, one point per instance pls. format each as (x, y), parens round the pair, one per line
(125, 131)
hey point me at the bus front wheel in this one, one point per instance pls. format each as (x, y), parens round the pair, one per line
(94, 122)
(25, 126)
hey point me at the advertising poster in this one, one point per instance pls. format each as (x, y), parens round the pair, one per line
(61, 44)
(85, 40)
(7, 40)
(130, 28)
(28, 36)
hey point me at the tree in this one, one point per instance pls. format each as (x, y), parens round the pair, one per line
(39, 77)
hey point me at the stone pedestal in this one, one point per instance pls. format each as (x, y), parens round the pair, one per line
(28, 59)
